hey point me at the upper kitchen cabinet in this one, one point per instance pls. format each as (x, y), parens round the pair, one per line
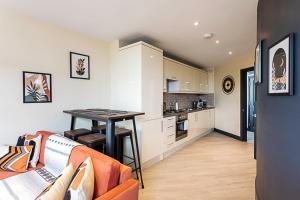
(203, 82)
(137, 80)
(181, 78)
(152, 81)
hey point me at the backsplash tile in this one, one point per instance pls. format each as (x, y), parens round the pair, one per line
(185, 100)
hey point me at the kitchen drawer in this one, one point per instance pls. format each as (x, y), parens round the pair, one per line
(170, 121)
(169, 130)
(169, 139)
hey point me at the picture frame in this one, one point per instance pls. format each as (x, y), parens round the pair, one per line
(79, 66)
(258, 62)
(281, 67)
(37, 87)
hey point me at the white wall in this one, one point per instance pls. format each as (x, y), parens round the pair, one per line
(30, 45)
(227, 112)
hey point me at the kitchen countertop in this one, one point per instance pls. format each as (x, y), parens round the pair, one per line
(172, 114)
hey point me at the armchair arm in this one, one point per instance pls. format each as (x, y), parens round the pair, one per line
(129, 190)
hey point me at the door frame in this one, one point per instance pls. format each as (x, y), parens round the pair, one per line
(243, 102)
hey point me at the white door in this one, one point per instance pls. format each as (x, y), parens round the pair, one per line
(192, 130)
(151, 139)
(212, 118)
(152, 83)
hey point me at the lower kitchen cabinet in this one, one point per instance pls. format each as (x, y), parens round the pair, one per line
(200, 122)
(158, 136)
(169, 131)
(151, 144)
(212, 118)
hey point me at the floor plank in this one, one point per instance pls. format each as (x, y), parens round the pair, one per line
(215, 167)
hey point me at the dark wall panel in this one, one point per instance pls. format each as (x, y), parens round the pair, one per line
(278, 117)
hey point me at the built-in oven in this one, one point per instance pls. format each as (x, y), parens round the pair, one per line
(181, 126)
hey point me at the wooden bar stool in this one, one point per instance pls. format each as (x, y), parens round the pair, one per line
(74, 134)
(99, 129)
(121, 134)
(95, 141)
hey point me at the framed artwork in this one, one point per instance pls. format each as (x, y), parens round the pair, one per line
(281, 64)
(79, 66)
(37, 87)
(228, 84)
(258, 62)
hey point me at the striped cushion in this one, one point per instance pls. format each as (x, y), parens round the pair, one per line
(15, 159)
(56, 191)
(35, 141)
(82, 184)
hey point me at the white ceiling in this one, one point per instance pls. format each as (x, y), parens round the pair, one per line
(167, 23)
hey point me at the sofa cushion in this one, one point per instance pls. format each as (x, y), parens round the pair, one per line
(45, 135)
(35, 141)
(106, 169)
(15, 159)
(7, 174)
(82, 183)
(57, 190)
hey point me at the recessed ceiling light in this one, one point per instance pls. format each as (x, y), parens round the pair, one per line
(208, 35)
(230, 52)
(196, 23)
(217, 41)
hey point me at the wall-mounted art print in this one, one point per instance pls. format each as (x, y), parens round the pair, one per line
(258, 62)
(37, 87)
(228, 84)
(281, 67)
(79, 66)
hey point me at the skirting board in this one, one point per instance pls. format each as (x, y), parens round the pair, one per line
(152, 161)
(175, 149)
(166, 154)
(228, 134)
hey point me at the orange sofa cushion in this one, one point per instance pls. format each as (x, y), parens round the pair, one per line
(45, 136)
(106, 169)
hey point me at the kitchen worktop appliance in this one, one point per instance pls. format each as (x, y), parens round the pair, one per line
(181, 125)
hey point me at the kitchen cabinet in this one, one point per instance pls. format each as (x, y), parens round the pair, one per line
(151, 144)
(203, 82)
(152, 82)
(169, 131)
(172, 70)
(200, 122)
(137, 85)
(212, 118)
(184, 78)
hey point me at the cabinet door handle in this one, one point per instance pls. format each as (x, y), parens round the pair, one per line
(161, 126)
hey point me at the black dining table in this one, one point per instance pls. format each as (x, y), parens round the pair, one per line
(110, 117)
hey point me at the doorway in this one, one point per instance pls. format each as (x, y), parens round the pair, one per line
(248, 111)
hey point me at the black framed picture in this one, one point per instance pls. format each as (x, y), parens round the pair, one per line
(37, 87)
(281, 66)
(258, 62)
(79, 66)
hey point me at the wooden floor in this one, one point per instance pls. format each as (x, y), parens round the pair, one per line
(215, 167)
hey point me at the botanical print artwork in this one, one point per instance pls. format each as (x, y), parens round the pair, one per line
(79, 66)
(36, 87)
(281, 67)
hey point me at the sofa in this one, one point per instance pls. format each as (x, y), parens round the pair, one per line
(113, 180)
